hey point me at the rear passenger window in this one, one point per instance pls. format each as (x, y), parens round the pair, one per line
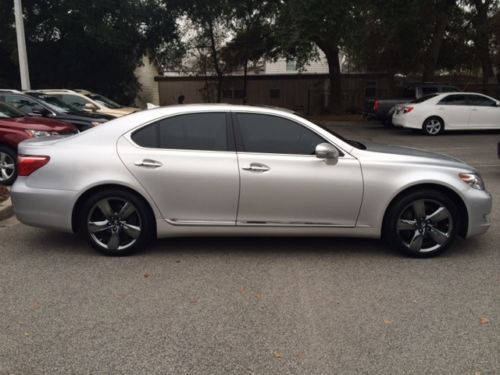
(454, 100)
(199, 131)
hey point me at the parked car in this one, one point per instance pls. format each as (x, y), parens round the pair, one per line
(15, 127)
(90, 102)
(241, 170)
(436, 113)
(383, 109)
(37, 104)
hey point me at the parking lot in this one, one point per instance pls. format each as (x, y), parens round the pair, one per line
(257, 305)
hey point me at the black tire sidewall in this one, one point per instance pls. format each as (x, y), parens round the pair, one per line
(390, 232)
(13, 155)
(424, 128)
(144, 213)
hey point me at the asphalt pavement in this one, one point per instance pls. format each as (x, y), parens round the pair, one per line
(257, 305)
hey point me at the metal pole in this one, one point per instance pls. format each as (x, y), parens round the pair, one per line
(21, 46)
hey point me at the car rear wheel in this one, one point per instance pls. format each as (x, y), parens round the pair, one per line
(422, 223)
(116, 222)
(8, 168)
(433, 126)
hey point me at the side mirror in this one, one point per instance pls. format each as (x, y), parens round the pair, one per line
(90, 107)
(327, 151)
(40, 111)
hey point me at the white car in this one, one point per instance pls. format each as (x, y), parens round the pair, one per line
(436, 113)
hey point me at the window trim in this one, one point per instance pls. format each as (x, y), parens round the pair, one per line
(230, 139)
(240, 147)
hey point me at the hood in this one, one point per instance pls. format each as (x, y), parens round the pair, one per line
(42, 123)
(401, 153)
(120, 111)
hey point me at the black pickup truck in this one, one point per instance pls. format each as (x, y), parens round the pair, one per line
(382, 109)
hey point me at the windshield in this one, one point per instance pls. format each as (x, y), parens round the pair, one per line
(351, 142)
(7, 111)
(102, 100)
(57, 104)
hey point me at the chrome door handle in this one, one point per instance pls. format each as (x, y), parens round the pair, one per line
(148, 163)
(257, 167)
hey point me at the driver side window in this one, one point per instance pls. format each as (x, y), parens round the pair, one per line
(272, 134)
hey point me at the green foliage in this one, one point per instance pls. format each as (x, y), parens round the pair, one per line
(85, 44)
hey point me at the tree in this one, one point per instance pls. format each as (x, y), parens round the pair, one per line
(301, 25)
(79, 44)
(253, 38)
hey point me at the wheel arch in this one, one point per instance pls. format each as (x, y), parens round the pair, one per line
(75, 222)
(434, 116)
(450, 193)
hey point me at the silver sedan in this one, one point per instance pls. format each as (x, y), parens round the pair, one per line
(237, 170)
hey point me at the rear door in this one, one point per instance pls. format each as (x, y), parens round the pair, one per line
(455, 111)
(188, 165)
(485, 114)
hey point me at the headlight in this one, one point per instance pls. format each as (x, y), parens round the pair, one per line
(40, 133)
(473, 180)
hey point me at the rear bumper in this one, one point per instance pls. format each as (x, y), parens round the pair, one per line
(479, 204)
(45, 208)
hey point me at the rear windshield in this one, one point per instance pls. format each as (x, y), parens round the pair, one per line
(423, 98)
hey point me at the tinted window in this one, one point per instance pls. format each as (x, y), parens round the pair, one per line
(73, 100)
(200, 131)
(481, 101)
(449, 89)
(21, 102)
(272, 134)
(423, 98)
(429, 90)
(454, 100)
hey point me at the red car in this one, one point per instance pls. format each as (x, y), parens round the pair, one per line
(16, 127)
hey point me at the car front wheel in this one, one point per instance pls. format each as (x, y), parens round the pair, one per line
(422, 223)
(8, 169)
(116, 222)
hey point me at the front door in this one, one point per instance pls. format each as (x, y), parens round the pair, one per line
(485, 114)
(188, 165)
(282, 181)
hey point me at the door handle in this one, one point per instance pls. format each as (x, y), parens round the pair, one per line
(148, 163)
(474, 109)
(257, 167)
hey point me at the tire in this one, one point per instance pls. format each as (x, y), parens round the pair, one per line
(433, 126)
(422, 223)
(116, 222)
(8, 166)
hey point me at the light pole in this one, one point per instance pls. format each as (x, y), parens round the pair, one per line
(21, 46)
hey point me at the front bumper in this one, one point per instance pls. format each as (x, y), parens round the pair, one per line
(45, 208)
(479, 203)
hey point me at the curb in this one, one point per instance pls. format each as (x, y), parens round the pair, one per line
(6, 210)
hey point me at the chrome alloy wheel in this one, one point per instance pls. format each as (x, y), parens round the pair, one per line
(7, 167)
(114, 223)
(433, 126)
(425, 225)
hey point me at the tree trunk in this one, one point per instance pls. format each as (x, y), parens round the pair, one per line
(482, 39)
(215, 59)
(442, 21)
(245, 76)
(335, 100)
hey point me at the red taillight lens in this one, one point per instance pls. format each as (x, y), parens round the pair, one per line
(376, 106)
(407, 109)
(28, 164)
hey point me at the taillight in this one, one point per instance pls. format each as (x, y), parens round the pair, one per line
(407, 109)
(28, 164)
(376, 106)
